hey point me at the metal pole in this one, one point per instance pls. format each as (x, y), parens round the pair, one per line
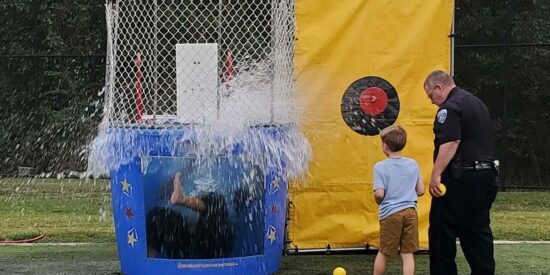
(220, 55)
(452, 36)
(274, 57)
(155, 61)
(325, 250)
(505, 164)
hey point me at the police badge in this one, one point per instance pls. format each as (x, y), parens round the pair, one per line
(442, 115)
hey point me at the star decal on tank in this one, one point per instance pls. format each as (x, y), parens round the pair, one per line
(275, 185)
(132, 237)
(271, 233)
(129, 213)
(126, 188)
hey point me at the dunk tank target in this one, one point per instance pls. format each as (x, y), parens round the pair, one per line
(369, 105)
(199, 134)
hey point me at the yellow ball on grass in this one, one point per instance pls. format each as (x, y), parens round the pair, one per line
(339, 271)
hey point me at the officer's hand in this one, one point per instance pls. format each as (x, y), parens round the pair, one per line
(434, 186)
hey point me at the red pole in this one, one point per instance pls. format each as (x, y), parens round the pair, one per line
(228, 74)
(139, 88)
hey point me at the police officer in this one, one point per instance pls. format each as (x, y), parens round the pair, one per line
(464, 162)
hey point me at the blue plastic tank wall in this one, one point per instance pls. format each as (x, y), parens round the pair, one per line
(133, 183)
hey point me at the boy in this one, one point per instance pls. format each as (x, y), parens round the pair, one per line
(397, 185)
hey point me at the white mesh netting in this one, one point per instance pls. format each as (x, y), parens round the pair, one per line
(199, 62)
(204, 71)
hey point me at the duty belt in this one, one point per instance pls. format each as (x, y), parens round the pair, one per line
(479, 165)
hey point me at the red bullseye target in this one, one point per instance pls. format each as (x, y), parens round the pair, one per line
(373, 101)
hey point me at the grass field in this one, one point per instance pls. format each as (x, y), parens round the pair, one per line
(68, 210)
(101, 258)
(73, 210)
(521, 216)
(80, 211)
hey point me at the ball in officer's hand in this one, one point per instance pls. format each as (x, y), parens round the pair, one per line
(339, 271)
(443, 189)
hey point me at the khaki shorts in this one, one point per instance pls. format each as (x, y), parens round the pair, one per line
(399, 233)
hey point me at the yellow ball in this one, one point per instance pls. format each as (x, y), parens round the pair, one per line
(443, 189)
(339, 271)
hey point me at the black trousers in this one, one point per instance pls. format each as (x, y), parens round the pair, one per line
(463, 212)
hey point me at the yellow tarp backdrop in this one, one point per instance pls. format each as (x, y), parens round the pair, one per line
(339, 42)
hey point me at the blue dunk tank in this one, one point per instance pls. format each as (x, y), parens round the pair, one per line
(239, 229)
(199, 134)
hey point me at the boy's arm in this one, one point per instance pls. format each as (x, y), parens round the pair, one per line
(379, 195)
(419, 187)
(379, 191)
(419, 184)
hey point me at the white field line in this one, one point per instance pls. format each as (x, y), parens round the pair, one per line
(521, 242)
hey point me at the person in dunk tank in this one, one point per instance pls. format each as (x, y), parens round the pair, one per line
(171, 235)
(249, 218)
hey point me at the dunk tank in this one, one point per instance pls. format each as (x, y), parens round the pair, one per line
(199, 134)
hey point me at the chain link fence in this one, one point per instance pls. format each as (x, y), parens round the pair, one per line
(184, 62)
(49, 111)
(52, 66)
(51, 90)
(502, 54)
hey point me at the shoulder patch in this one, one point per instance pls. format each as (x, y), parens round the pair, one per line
(442, 115)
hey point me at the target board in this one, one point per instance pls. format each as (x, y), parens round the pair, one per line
(369, 105)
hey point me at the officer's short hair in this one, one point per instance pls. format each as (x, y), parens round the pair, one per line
(438, 77)
(395, 137)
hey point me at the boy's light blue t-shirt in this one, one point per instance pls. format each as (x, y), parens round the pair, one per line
(398, 178)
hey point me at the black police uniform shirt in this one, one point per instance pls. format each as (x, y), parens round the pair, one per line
(464, 117)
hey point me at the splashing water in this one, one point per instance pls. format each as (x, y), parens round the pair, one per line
(284, 147)
(238, 130)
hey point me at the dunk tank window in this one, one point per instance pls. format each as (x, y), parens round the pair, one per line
(203, 210)
(369, 105)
